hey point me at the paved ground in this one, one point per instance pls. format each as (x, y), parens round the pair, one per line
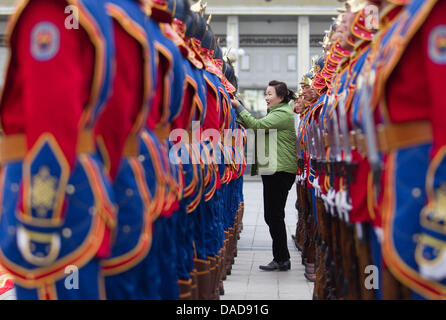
(247, 281)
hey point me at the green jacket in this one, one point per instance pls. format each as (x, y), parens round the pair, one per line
(268, 158)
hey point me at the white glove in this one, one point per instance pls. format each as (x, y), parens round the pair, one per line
(324, 198)
(331, 195)
(317, 187)
(304, 175)
(338, 203)
(344, 206)
(301, 179)
(379, 234)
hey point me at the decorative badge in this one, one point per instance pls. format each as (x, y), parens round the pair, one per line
(437, 45)
(45, 41)
(43, 192)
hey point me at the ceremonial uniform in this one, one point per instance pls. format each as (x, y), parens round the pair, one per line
(226, 126)
(368, 223)
(96, 188)
(372, 151)
(307, 179)
(304, 237)
(118, 131)
(57, 206)
(231, 177)
(210, 138)
(413, 177)
(165, 108)
(204, 259)
(187, 152)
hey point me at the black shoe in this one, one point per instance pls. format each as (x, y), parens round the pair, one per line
(310, 277)
(285, 266)
(273, 265)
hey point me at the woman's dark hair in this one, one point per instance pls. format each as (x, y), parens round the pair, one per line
(282, 91)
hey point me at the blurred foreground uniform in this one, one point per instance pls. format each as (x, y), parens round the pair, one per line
(57, 209)
(118, 131)
(112, 150)
(164, 109)
(187, 150)
(329, 188)
(411, 141)
(371, 159)
(366, 213)
(215, 209)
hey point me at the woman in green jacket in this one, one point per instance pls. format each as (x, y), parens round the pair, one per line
(277, 164)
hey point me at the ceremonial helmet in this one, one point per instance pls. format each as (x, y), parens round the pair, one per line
(356, 5)
(179, 9)
(359, 27)
(307, 79)
(208, 41)
(326, 42)
(317, 65)
(199, 7)
(198, 10)
(191, 24)
(229, 72)
(218, 54)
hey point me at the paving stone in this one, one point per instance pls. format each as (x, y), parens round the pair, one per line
(255, 245)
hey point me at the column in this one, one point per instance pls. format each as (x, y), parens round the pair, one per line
(303, 46)
(232, 38)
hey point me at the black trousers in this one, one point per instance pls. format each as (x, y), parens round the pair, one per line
(275, 193)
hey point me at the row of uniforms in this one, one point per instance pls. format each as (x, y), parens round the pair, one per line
(371, 182)
(114, 181)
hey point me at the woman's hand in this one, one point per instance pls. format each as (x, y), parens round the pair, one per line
(235, 103)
